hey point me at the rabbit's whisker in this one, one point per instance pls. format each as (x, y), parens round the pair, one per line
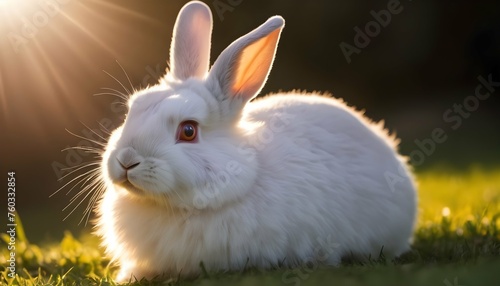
(104, 129)
(125, 95)
(78, 168)
(111, 93)
(119, 82)
(90, 177)
(92, 130)
(88, 139)
(80, 193)
(88, 149)
(82, 179)
(99, 187)
(128, 78)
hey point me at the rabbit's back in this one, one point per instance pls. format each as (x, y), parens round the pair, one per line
(333, 173)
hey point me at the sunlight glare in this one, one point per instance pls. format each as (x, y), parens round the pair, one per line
(11, 4)
(446, 211)
(5, 2)
(43, 39)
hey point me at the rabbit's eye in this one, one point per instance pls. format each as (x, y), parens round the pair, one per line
(187, 131)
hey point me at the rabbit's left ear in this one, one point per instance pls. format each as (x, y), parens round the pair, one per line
(190, 48)
(242, 68)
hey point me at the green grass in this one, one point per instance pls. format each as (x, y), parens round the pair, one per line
(457, 242)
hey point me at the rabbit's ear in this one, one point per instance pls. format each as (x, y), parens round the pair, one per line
(190, 48)
(242, 68)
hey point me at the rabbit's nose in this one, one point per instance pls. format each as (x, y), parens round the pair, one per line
(128, 158)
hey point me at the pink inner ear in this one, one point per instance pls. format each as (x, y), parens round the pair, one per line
(253, 66)
(197, 63)
(190, 50)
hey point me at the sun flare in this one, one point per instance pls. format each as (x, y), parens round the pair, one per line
(49, 44)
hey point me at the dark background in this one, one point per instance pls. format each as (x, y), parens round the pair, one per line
(425, 60)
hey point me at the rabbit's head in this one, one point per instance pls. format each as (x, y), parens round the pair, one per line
(184, 142)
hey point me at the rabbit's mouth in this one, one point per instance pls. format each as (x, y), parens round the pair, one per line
(127, 185)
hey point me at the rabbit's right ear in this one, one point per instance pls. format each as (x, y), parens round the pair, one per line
(190, 48)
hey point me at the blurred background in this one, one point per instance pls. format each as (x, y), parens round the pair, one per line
(417, 70)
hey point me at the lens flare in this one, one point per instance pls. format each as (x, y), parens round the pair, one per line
(50, 49)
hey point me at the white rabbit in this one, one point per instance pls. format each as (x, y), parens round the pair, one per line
(198, 173)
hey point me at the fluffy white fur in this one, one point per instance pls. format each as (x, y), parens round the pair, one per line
(283, 180)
